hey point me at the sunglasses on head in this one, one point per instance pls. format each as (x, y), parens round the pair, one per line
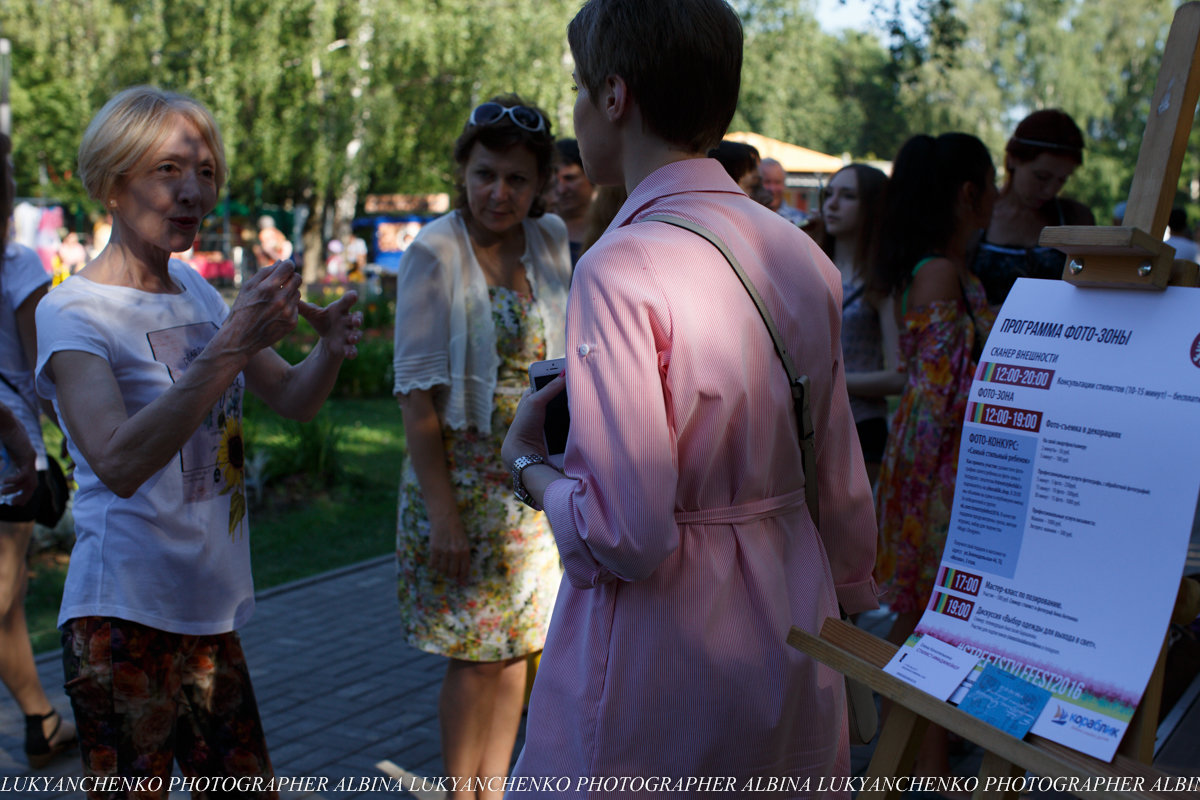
(522, 117)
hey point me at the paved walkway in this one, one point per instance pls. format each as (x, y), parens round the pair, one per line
(345, 702)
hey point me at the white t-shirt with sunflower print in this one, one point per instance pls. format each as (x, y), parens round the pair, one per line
(174, 556)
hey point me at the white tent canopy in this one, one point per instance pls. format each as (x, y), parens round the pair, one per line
(793, 157)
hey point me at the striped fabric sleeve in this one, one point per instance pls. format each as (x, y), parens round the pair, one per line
(615, 519)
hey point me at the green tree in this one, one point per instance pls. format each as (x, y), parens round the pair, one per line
(872, 120)
(324, 101)
(802, 85)
(59, 72)
(981, 65)
(319, 101)
(786, 75)
(1097, 60)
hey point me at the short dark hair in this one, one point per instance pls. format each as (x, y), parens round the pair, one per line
(737, 158)
(504, 135)
(1177, 221)
(681, 59)
(919, 202)
(568, 152)
(1050, 130)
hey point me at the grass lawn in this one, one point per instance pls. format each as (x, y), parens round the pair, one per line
(303, 525)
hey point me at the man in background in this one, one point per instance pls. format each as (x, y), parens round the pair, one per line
(572, 195)
(773, 181)
(273, 245)
(1181, 236)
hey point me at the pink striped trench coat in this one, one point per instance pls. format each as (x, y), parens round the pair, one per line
(687, 545)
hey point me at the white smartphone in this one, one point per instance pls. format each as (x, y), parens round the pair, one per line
(558, 417)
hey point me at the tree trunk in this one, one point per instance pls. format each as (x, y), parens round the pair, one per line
(352, 177)
(314, 247)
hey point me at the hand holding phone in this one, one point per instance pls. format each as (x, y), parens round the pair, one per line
(558, 417)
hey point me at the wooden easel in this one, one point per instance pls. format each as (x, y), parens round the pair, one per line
(1131, 256)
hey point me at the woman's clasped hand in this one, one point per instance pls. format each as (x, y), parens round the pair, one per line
(340, 328)
(21, 478)
(269, 306)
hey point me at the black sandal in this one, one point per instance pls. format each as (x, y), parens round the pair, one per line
(39, 748)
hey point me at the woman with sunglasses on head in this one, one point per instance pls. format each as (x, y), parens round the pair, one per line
(482, 292)
(851, 209)
(1045, 150)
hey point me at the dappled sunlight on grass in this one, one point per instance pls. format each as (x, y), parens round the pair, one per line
(303, 527)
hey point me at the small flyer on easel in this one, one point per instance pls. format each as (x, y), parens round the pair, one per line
(1077, 491)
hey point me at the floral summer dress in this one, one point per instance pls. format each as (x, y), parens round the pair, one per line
(503, 609)
(916, 482)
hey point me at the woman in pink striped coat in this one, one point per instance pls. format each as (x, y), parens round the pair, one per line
(680, 515)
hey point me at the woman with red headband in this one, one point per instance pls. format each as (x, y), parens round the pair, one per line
(1042, 154)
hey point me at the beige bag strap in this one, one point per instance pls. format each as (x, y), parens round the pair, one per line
(797, 383)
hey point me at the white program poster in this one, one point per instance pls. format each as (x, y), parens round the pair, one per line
(1078, 481)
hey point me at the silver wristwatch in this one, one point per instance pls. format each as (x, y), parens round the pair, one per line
(518, 487)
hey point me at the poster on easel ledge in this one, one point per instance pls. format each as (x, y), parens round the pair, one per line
(1077, 491)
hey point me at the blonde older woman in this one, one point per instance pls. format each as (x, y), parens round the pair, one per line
(147, 367)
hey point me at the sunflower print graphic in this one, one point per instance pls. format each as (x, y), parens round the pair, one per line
(231, 469)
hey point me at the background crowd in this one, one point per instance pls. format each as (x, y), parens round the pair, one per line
(320, 122)
(681, 518)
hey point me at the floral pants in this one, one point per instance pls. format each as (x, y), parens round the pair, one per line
(144, 698)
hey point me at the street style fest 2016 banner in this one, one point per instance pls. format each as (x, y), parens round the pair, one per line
(1078, 482)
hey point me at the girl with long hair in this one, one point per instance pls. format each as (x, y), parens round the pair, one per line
(941, 193)
(851, 210)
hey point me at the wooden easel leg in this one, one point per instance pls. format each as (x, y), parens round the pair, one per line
(1143, 728)
(896, 751)
(994, 766)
